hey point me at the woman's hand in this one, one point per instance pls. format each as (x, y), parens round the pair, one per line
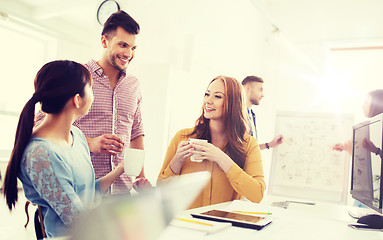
(109, 178)
(208, 151)
(141, 184)
(338, 147)
(367, 144)
(184, 150)
(347, 146)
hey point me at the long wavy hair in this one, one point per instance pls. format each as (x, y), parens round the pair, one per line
(55, 83)
(234, 120)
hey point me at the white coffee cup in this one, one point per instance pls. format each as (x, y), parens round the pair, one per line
(192, 157)
(133, 161)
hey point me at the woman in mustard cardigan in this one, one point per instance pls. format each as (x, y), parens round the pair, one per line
(231, 155)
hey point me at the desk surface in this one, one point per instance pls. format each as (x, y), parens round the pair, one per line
(298, 221)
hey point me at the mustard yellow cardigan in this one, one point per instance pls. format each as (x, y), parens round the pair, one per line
(237, 183)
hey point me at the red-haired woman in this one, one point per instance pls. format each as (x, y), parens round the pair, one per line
(231, 155)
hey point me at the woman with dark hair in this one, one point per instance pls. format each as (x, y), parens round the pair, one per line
(53, 160)
(373, 105)
(231, 155)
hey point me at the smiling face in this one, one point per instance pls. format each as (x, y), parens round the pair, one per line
(214, 100)
(119, 48)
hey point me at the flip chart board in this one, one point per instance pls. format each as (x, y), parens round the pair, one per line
(305, 166)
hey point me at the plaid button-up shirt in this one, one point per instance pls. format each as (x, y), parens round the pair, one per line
(114, 111)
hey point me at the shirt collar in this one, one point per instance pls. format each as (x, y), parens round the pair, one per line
(94, 67)
(250, 111)
(98, 70)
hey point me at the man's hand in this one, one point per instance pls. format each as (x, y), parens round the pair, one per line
(276, 141)
(106, 143)
(141, 184)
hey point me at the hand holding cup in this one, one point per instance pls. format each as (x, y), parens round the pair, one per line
(194, 156)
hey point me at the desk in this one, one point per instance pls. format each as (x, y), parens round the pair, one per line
(299, 221)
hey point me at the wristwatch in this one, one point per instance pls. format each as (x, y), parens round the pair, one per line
(377, 152)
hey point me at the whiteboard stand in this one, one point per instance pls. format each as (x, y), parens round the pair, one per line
(305, 166)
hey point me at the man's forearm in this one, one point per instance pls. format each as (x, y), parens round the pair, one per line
(264, 146)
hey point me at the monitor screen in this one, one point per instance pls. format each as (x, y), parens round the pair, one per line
(366, 184)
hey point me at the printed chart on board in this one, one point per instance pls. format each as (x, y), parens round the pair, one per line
(305, 166)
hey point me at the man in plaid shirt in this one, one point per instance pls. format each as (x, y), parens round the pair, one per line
(114, 120)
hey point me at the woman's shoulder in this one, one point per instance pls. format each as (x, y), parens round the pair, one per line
(38, 143)
(249, 141)
(38, 149)
(75, 130)
(78, 133)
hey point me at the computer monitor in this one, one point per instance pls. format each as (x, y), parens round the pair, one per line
(367, 165)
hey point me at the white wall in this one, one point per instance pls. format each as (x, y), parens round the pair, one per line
(195, 42)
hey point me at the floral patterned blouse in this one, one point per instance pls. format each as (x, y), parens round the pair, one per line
(60, 179)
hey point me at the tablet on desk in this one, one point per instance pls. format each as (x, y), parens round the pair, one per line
(236, 219)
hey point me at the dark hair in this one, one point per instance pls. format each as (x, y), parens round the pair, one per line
(376, 106)
(235, 121)
(251, 79)
(55, 83)
(120, 19)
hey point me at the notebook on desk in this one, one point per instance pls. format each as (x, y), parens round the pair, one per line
(142, 216)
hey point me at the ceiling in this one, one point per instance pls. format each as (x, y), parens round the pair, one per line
(302, 21)
(326, 20)
(75, 16)
(79, 12)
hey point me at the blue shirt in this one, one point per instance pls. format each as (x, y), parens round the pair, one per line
(252, 123)
(60, 179)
